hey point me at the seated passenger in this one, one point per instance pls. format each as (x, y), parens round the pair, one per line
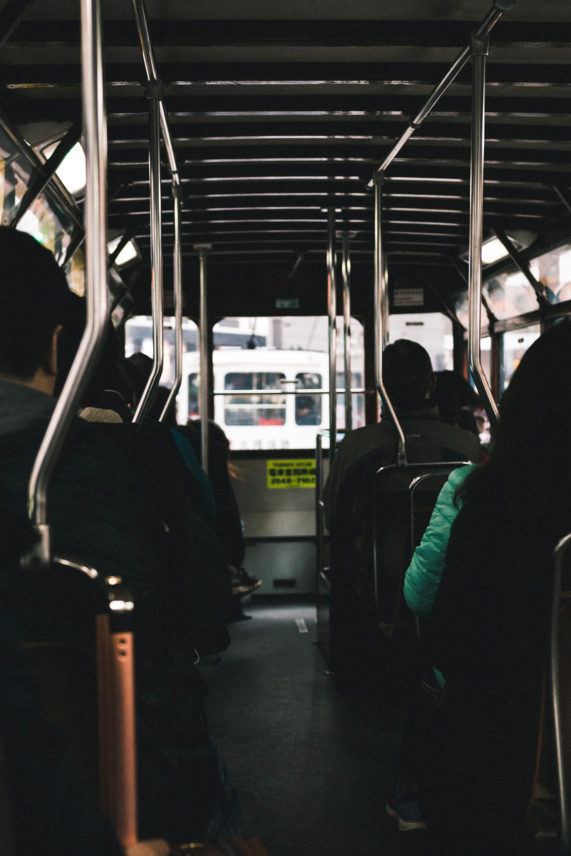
(489, 630)
(348, 495)
(409, 381)
(102, 511)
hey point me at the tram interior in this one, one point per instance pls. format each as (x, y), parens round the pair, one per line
(280, 116)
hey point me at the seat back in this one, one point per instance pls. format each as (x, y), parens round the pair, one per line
(403, 500)
(87, 690)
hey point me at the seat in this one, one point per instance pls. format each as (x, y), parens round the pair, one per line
(403, 500)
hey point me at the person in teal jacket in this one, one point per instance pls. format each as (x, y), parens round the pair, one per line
(423, 575)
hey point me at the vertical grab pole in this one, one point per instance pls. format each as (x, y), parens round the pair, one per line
(154, 95)
(346, 272)
(96, 291)
(204, 375)
(332, 332)
(382, 320)
(479, 53)
(177, 285)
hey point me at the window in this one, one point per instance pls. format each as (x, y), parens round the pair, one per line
(510, 294)
(254, 409)
(515, 344)
(554, 272)
(432, 330)
(139, 337)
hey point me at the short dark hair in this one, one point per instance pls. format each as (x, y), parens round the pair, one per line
(407, 373)
(34, 296)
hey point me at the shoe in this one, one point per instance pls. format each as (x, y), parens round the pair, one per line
(406, 811)
(242, 582)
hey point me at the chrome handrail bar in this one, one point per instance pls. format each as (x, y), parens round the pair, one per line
(204, 358)
(151, 71)
(96, 277)
(346, 274)
(156, 252)
(332, 328)
(178, 301)
(560, 551)
(160, 121)
(483, 31)
(381, 301)
(479, 53)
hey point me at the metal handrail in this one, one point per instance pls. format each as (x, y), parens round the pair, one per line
(346, 273)
(204, 373)
(159, 124)
(178, 301)
(151, 71)
(382, 324)
(332, 328)
(96, 278)
(156, 255)
(559, 554)
(483, 31)
(479, 52)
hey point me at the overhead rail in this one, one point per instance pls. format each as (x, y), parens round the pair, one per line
(158, 126)
(475, 51)
(96, 279)
(483, 31)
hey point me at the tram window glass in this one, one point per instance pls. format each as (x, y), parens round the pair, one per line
(432, 330)
(308, 407)
(75, 272)
(51, 229)
(14, 177)
(554, 271)
(358, 401)
(139, 337)
(254, 409)
(462, 311)
(515, 344)
(510, 294)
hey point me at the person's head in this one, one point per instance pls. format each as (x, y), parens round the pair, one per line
(34, 301)
(455, 400)
(407, 374)
(535, 410)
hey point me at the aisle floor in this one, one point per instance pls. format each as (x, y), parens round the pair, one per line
(313, 766)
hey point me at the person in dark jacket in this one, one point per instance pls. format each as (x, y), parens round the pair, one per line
(355, 638)
(489, 629)
(100, 511)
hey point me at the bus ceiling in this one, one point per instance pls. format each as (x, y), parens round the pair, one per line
(278, 115)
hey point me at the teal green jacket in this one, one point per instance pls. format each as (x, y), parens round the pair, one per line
(423, 575)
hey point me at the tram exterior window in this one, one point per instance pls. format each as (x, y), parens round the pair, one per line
(308, 407)
(254, 409)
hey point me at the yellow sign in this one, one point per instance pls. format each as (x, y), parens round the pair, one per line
(291, 473)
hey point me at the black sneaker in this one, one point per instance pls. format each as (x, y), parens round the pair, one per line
(242, 582)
